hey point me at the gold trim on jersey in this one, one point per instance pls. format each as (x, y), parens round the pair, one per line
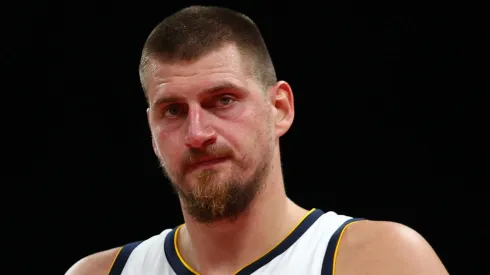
(337, 246)
(115, 258)
(178, 252)
(196, 273)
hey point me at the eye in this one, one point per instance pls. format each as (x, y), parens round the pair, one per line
(173, 110)
(225, 100)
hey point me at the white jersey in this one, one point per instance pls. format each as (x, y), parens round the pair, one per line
(309, 249)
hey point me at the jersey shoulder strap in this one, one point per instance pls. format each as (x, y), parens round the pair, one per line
(122, 257)
(328, 267)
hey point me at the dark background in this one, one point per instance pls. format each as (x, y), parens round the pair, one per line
(388, 122)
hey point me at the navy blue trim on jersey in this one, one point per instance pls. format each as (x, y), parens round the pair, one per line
(172, 258)
(284, 245)
(327, 266)
(122, 258)
(180, 269)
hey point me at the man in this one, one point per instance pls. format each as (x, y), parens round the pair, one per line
(216, 113)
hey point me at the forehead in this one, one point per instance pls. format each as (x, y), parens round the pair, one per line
(223, 67)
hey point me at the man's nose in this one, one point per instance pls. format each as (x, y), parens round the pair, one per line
(200, 132)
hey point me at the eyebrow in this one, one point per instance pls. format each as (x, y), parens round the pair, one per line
(214, 89)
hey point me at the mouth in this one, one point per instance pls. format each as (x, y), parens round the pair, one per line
(207, 162)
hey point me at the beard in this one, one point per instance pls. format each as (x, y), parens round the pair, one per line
(214, 198)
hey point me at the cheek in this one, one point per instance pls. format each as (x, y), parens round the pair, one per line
(246, 133)
(169, 145)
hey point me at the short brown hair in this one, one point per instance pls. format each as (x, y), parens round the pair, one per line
(197, 30)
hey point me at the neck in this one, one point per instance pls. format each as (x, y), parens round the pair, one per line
(227, 246)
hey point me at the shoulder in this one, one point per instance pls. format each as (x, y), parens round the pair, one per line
(98, 263)
(383, 247)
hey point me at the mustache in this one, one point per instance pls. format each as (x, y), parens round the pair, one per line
(193, 155)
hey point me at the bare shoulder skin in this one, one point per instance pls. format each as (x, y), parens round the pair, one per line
(98, 263)
(385, 248)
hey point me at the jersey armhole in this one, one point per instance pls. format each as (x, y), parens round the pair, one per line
(329, 261)
(122, 257)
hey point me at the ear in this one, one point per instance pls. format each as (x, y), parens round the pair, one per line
(153, 144)
(281, 97)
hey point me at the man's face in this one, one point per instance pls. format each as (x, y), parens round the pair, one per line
(213, 132)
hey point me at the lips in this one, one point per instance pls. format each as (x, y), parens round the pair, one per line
(206, 161)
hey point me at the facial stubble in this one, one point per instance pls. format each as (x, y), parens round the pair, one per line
(212, 198)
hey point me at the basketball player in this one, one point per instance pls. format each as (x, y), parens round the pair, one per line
(216, 112)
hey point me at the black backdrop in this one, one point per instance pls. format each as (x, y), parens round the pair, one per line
(386, 122)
